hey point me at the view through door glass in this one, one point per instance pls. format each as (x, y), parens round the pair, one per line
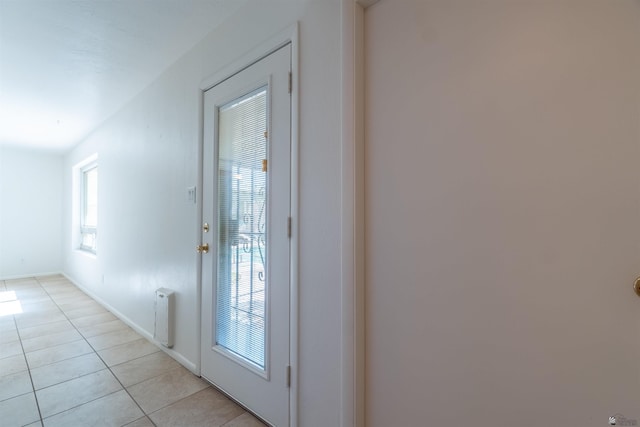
(242, 248)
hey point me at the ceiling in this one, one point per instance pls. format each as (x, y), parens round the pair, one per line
(67, 65)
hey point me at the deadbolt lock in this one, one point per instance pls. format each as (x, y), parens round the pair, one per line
(205, 227)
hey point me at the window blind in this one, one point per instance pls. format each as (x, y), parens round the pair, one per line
(242, 234)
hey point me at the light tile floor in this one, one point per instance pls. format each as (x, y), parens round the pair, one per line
(66, 361)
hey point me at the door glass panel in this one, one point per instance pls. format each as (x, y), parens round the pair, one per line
(242, 257)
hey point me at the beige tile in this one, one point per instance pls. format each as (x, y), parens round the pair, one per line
(21, 284)
(60, 281)
(166, 389)
(95, 319)
(11, 334)
(114, 410)
(13, 364)
(60, 286)
(45, 313)
(55, 282)
(25, 292)
(75, 305)
(61, 289)
(45, 305)
(26, 307)
(30, 295)
(44, 300)
(50, 278)
(24, 287)
(15, 385)
(125, 352)
(10, 308)
(102, 328)
(245, 420)
(84, 312)
(55, 285)
(206, 408)
(34, 304)
(7, 323)
(68, 296)
(142, 422)
(111, 339)
(143, 368)
(9, 349)
(50, 340)
(40, 318)
(65, 292)
(55, 354)
(19, 411)
(49, 328)
(61, 397)
(68, 303)
(66, 370)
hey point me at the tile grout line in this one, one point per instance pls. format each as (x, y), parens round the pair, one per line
(145, 415)
(107, 367)
(181, 399)
(101, 359)
(26, 361)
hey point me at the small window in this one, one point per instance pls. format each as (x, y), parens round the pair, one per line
(89, 207)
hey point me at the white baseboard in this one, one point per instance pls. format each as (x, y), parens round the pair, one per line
(146, 334)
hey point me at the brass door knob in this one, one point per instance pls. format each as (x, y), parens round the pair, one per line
(636, 286)
(202, 249)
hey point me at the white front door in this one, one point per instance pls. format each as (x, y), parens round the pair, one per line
(246, 204)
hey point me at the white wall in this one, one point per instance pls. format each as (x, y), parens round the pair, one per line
(148, 157)
(30, 212)
(502, 212)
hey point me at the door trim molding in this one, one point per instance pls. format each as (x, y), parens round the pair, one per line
(352, 366)
(289, 35)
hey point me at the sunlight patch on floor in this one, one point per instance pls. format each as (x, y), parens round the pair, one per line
(9, 303)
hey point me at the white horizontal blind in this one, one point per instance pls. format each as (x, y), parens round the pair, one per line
(242, 209)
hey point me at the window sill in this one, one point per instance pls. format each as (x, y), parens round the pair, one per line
(87, 253)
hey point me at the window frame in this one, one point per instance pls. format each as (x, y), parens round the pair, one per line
(84, 229)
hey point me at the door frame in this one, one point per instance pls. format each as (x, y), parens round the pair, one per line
(287, 36)
(353, 241)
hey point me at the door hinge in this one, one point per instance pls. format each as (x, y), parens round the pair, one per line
(290, 82)
(288, 375)
(289, 227)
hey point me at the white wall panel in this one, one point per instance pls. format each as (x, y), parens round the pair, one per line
(30, 212)
(148, 157)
